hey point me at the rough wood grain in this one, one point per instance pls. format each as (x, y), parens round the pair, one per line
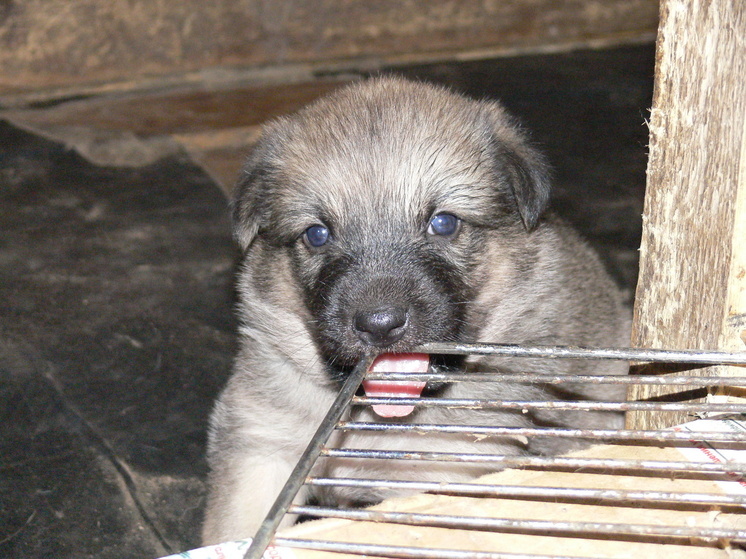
(692, 284)
(548, 543)
(74, 46)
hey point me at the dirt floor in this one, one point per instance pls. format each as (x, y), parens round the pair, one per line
(116, 266)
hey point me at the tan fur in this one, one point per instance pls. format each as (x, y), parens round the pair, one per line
(375, 161)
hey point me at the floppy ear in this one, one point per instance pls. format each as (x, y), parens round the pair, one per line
(249, 205)
(524, 168)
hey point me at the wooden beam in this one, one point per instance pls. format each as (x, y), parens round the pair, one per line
(692, 285)
(55, 48)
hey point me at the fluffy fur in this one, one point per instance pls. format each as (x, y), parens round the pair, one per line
(372, 164)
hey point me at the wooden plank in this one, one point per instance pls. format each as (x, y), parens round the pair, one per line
(131, 130)
(547, 542)
(692, 284)
(60, 47)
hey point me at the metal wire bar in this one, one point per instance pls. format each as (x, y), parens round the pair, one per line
(346, 398)
(543, 526)
(571, 352)
(534, 492)
(584, 405)
(589, 434)
(305, 463)
(607, 465)
(407, 552)
(531, 378)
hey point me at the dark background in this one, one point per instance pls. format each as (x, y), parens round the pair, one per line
(116, 321)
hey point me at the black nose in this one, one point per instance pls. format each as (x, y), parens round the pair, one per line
(381, 327)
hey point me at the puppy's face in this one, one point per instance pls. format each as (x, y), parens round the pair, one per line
(383, 198)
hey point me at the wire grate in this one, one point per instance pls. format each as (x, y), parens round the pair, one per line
(657, 471)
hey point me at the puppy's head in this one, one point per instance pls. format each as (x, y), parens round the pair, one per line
(382, 198)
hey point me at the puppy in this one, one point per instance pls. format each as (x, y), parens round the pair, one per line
(384, 216)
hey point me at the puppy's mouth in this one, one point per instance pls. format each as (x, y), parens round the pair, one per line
(396, 363)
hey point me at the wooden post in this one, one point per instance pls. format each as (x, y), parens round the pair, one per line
(692, 286)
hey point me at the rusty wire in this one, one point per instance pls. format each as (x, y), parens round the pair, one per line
(694, 535)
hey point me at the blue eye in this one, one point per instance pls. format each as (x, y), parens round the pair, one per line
(316, 236)
(444, 225)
